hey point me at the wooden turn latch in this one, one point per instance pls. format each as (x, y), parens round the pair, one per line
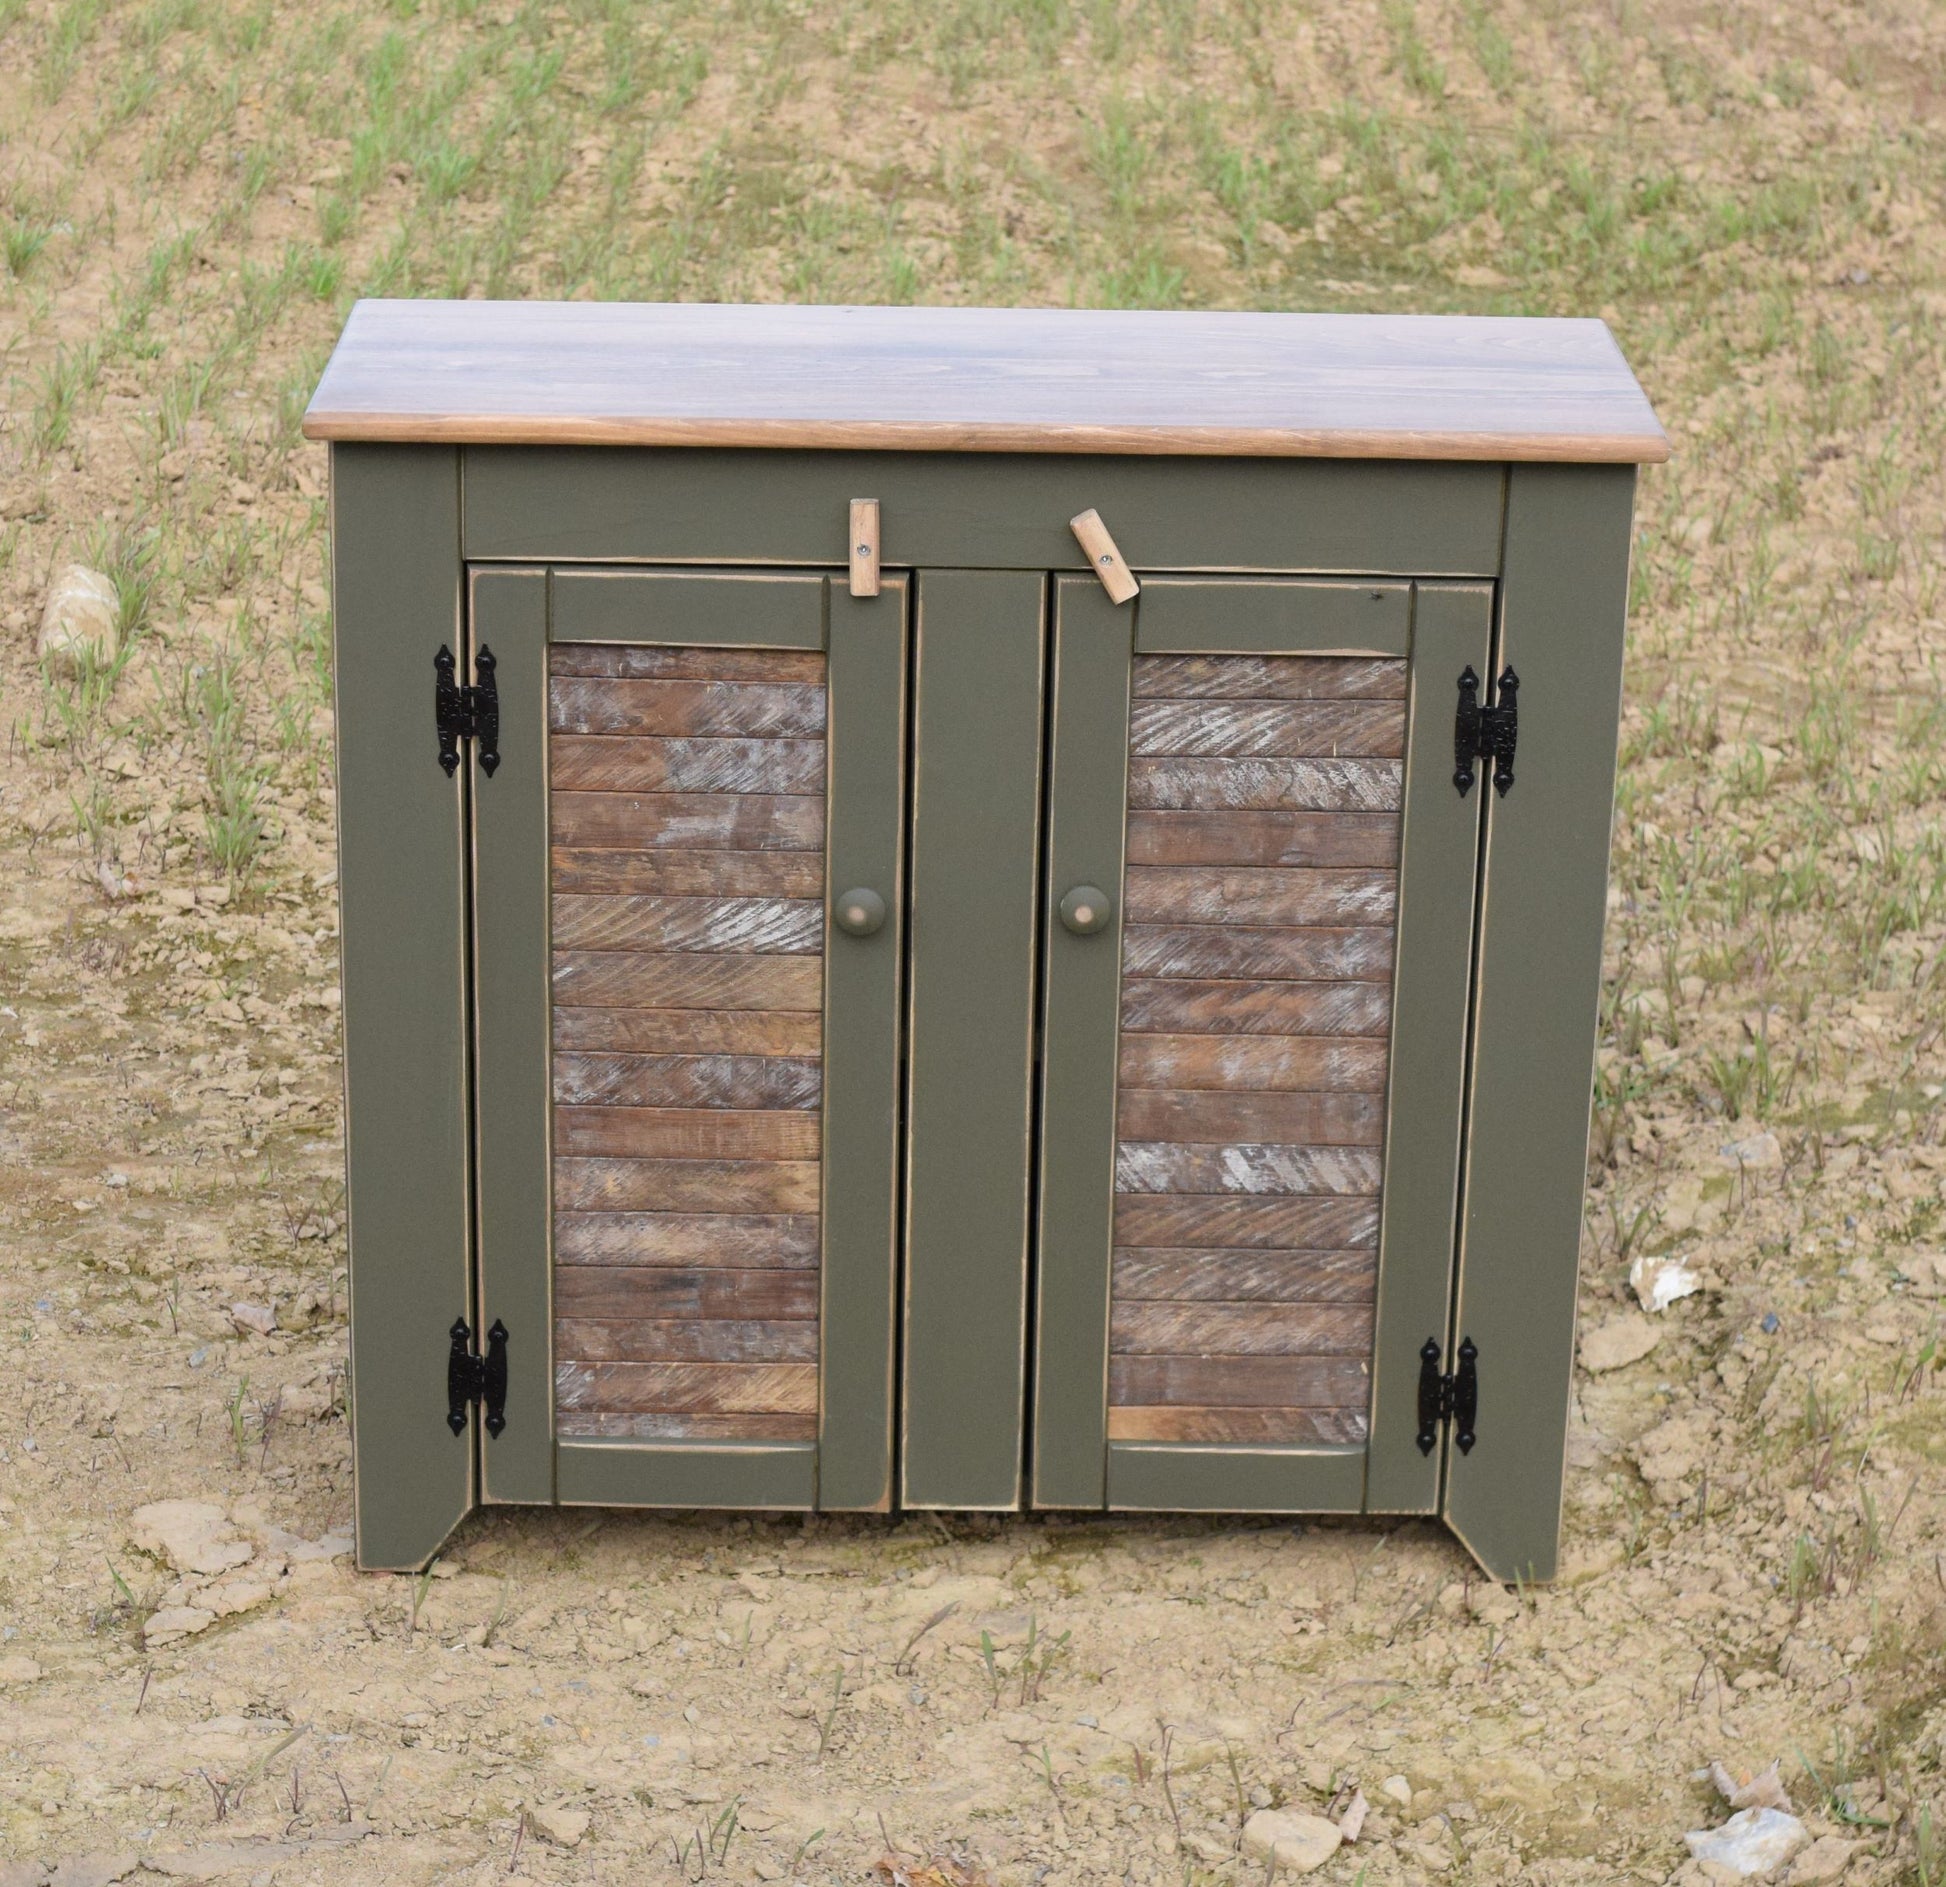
(864, 547)
(1108, 563)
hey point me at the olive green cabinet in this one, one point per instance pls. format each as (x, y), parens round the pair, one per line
(971, 910)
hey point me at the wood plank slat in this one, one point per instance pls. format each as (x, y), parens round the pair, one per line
(1204, 894)
(1231, 1223)
(661, 1293)
(702, 822)
(764, 1032)
(1268, 785)
(730, 1081)
(589, 872)
(1235, 1277)
(701, 1133)
(1294, 953)
(1315, 839)
(638, 979)
(694, 926)
(713, 1241)
(1282, 730)
(1251, 1329)
(1311, 1064)
(636, 763)
(702, 1388)
(648, 662)
(1215, 1117)
(745, 1425)
(1192, 1006)
(1269, 678)
(729, 1186)
(1278, 1382)
(738, 709)
(1149, 1166)
(1242, 1427)
(686, 1340)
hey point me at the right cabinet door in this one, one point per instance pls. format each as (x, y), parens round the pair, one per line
(1258, 939)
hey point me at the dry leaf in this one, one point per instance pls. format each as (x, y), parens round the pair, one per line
(940, 1870)
(1351, 1823)
(1761, 1791)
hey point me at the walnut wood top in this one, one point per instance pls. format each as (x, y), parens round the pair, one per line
(985, 380)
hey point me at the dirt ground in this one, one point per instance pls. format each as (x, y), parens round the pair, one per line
(194, 190)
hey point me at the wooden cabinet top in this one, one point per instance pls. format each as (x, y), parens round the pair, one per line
(1379, 386)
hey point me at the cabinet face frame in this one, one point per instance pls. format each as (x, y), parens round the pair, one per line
(518, 613)
(1438, 629)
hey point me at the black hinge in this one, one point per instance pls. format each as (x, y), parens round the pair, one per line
(471, 1379)
(1486, 733)
(469, 713)
(1454, 1398)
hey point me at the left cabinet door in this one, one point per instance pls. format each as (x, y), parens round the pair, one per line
(687, 1048)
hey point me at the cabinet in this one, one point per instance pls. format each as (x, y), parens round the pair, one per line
(851, 1025)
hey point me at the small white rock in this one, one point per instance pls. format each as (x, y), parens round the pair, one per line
(1752, 1844)
(1758, 1150)
(1618, 1343)
(1659, 1282)
(1396, 1789)
(1297, 1844)
(80, 620)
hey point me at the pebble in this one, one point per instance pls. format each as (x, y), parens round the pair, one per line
(81, 620)
(1753, 1844)
(1295, 1844)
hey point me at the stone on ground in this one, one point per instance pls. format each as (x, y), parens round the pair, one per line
(1297, 1844)
(81, 620)
(1754, 1844)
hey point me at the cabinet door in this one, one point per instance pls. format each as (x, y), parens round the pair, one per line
(1258, 934)
(687, 1066)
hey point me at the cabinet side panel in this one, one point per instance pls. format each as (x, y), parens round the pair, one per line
(976, 817)
(397, 583)
(1087, 792)
(1544, 896)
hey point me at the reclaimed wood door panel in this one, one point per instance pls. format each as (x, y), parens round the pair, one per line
(1211, 1112)
(688, 1078)
(676, 1132)
(1245, 1112)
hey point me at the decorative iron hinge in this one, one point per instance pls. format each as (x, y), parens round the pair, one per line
(1454, 1398)
(466, 713)
(471, 1378)
(1486, 733)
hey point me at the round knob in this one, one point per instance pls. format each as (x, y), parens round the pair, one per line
(1085, 910)
(860, 912)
